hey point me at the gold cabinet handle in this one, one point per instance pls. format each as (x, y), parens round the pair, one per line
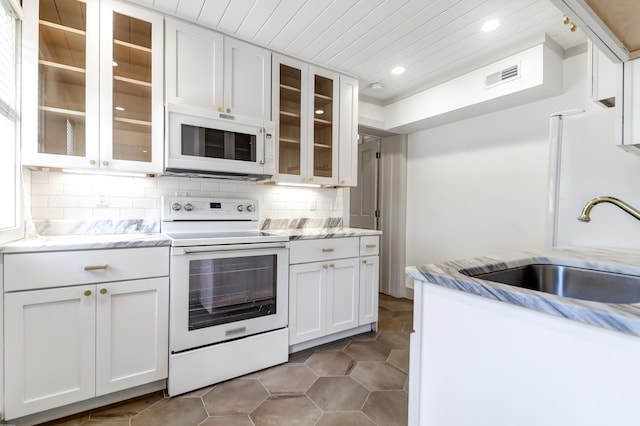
(331, 265)
(327, 250)
(92, 162)
(95, 267)
(228, 110)
(103, 291)
(219, 109)
(371, 245)
(364, 261)
(87, 292)
(105, 163)
(325, 266)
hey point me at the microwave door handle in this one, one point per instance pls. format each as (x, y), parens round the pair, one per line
(262, 133)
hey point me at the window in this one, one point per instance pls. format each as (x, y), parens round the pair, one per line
(10, 215)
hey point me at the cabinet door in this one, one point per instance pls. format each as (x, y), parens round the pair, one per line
(194, 65)
(60, 81)
(290, 113)
(131, 89)
(369, 289)
(348, 157)
(131, 333)
(307, 301)
(342, 295)
(49, 348)
(323, 133)
(247, 79)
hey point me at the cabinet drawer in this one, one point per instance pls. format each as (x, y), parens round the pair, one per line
(323, 249)
(25, 271)
(370, 245)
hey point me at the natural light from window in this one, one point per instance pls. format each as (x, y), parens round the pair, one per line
(10, 218)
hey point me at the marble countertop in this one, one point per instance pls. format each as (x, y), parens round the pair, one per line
(318, 233)
(618, 317)
(85, 242)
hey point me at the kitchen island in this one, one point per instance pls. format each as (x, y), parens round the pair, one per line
(489, 353)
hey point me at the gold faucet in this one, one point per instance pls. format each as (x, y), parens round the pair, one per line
(584, 216)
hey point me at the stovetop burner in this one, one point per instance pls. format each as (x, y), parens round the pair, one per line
(197, 221)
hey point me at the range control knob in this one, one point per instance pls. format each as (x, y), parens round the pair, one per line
(188, 207)
(240, 207)
(175, 207)
(250, 208)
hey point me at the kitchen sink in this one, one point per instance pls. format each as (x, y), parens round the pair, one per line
(568, 281)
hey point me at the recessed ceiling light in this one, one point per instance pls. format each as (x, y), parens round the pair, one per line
(490, 25)
(376, 86)
(397, 70)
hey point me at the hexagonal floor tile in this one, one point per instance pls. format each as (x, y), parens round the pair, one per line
(377, 375)
(292, 410)
(389, 408)
(390, 324)
(172, 411)
(342, 419)
(127, 409)
(330, 363)
(367, 351)
(239, 396)
(288, 379)
(228, 421)
(399, 358)
(338, 394)
(394, 340)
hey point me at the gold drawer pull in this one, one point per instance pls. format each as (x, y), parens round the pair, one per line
(364, 261)
(87, 292)
(325, 266)
(331, 265)
(328, 250)
(95, 267)
(371, 246)
(103, 291)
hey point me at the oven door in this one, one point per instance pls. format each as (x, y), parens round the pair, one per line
(222, 293)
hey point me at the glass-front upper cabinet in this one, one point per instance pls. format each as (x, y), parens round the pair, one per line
(305, 99)
(92, 81)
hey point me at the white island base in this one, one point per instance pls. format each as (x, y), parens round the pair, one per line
(476, 361)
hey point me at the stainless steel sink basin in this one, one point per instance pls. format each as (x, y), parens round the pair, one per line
(567, 281)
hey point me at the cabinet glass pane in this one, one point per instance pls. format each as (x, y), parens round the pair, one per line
(322, 126)
(290, 111)
(61, 77)
(131, 88)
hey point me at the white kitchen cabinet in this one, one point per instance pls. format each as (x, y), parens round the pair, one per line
(369, 289)
(323, 298)
(208, 70)
(307, 302)
(72, 343)
(306, 112)
(348, 157)
(92, 81)
(333, 288)
(49, 349)
(603, 77)
(369, 279)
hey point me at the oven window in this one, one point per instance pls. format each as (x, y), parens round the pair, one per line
(231, 289)
(214, 143)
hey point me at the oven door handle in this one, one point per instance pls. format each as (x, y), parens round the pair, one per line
(229, 247)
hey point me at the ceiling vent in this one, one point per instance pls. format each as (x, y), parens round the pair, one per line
(509, 73)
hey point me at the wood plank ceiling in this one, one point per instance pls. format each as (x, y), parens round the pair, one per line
(435, 40)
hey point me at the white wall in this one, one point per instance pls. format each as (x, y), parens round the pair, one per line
(479, 186)
(70, 196)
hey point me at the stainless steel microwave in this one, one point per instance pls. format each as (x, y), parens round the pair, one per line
(208, 143)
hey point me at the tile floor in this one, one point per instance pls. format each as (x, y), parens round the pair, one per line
(356, 381)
